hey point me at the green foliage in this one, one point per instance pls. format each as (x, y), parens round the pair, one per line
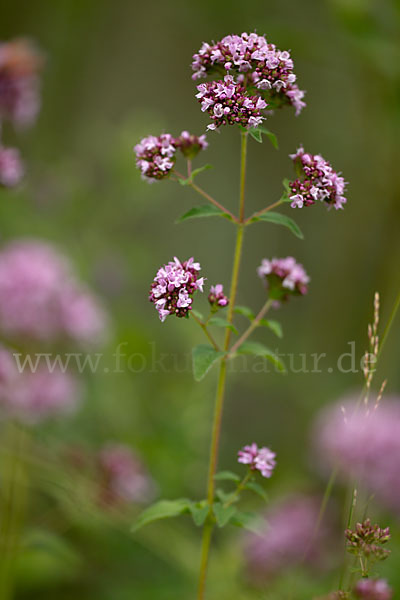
(220, 322)
(257, 489)
(227, 476)
(245, 311)
(204, 357)
(164, 509)
(280, 219)
(208, 210)
(223, 514)
(189, 180)
(199, 512)
(257, 133)
(257, 349)
(274, 326)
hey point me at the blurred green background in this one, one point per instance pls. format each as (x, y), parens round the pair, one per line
(117, 71)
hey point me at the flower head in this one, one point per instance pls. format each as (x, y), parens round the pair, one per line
(258, 459)
(373, 589)
(190, 145)
(228, 103)
(366, 540)
(284, 277)
(216, 297)
(11, 169)
(41, 299)
(257, 64)
(20, 64)
(125, 478)
(173, 288)
(317, 181)
(155, 156)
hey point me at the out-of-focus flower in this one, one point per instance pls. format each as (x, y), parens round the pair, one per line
(216, 297)
(363, 444)
(317, 181)
(287, 538)
(284, 277)
(11, 168)
(373, 589)
(41, 299)
(228, 103)
(190, 145)
(258, 459)
(124, 476)
(34, 396)
(155, 156)
(20, 64)
(257, 64)
(173, 288)
(366, 541)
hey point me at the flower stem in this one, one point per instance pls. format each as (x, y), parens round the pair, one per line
(252, 327)
(207, 196)
(219, 400)
(207, 333)
(264, 210)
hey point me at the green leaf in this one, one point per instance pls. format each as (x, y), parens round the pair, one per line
(271, 136)
(223, 514)
(226, 497)
(163, 509)
(280, 219)
(196, 172)
(199, 512)
(288, 192)
(245, 311)
(197, 314)
(258, 349)
(204, 357)
(274, 326)
(257, 488)
(219, 322)
(249, 521)
(227, 476)
(208, 210)
(256, 134)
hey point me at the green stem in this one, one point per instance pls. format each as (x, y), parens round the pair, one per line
(207, 333)
(239, 488)
(252, 327)
(263, 211)
(219, 400)
(207, 196)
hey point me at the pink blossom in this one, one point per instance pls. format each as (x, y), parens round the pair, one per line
(260, 459)
(216, 297)
(373, 589)
(155, 156)
(283, 277)
(11, 168)
(190, 145)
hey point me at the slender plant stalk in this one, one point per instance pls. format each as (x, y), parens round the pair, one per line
(207, 333)
(252, 327)
(263, 211)
(207, 196)
(219, 401)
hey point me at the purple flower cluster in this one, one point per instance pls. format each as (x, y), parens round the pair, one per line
(366, 540)
(228, 103)
(258, 459)
(11, 169)
(256, 63)
(20, 64)
(123, 475)
(364, 444)
(32, 396)
(190, 145)
(317, 181)
(41, 299)
(284, 276)
(216, 297)
(287, 538)
(373, 589)
(173, 288)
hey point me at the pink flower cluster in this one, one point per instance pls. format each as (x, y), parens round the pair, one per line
(373, 589)
(11, 169)
(41, 299)
(363, 444)
(228, 103)
(124, 477)
(256, 63)
(258, 459)
(216, 297)
(284, 276)
(32, 396)
(317, 181)
(173, 288)
(287, 538)
(156, 156)
(20, 64)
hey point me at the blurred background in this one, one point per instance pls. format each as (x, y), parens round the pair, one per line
(114, 72)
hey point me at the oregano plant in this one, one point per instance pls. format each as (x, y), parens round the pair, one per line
(244, 79)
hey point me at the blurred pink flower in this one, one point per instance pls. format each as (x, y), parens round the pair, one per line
(40, 298)
(11, 168)
(373, 589)
(258, 459)
(124, 475)
(363, 443)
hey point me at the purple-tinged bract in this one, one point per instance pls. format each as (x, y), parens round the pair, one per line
(258, 65)
(173, 288)
(258, 459)
(283, 277)
(216, 297)
(316, 181)
(155, 156)
(190, 145)
(228, 103)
